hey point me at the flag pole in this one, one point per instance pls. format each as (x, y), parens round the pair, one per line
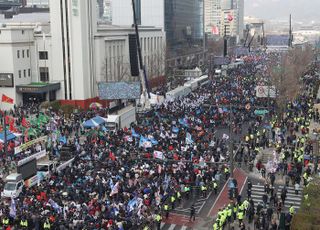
(4, 128)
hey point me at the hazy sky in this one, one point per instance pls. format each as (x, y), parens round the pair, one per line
(301, 10)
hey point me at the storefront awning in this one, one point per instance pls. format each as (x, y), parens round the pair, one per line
(38, 87)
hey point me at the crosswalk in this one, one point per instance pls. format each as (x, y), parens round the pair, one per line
(291, 199)
(165, 226)
(198, 205)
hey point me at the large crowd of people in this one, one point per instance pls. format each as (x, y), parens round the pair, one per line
(132, 177)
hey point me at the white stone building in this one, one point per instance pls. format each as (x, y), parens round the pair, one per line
(66, 58)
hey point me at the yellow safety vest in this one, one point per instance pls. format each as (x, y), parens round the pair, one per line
(5, 221)
(291, 210)
(158, 218)
(24, 223)
(178, 194)
(240, 215)
(166, 207)
(46, 225)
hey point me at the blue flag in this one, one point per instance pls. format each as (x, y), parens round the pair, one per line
(175, 129)
(13, 210)
(63, 139)
(133, 133)
(189, 139)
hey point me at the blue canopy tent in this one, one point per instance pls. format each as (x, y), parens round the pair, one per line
(10, 136)
(99, 120)
(94, 122)
(90, 124)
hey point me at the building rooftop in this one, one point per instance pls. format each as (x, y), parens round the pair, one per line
(23, 18)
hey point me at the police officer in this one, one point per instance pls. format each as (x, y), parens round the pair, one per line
(166, 209)
(172, 200)
(158, 219)
(192, 213)
(204, 190)
(240, 217)
(291, 210)
(178, 194)
(5, 222)
(24, 223)
(215, 187)
(216, 225)
(46, 224)
(187, 191)
(226, 172)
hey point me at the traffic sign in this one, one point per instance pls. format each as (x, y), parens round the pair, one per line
(261, 112)
(248, 106)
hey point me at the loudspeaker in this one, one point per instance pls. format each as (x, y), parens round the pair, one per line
(133, 52)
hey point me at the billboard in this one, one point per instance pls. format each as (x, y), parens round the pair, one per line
(265, 91)
(119, 90)
(28, 169)
(6, 80)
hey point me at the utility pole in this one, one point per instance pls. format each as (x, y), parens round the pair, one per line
(231, 142)
(204, 32)
(225, 45)
(4, 131)
(290, 33)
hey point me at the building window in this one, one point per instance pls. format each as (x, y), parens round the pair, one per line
(29, 72)
(24, 73)
(28, 53)
(18, 53)
(22, 53)
(43, 55)
(19, 73)
(44, 74)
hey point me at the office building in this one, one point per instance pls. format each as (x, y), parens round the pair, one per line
(217, 16)
(212, 16)
(181, 20)
(65, 55)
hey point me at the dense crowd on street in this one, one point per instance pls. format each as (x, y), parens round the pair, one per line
(294, 159)
(133, 177)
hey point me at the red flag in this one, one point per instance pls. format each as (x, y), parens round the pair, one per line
(12, 128)
(112, 156)
(25, 123)
(215, 30)
(7, 99)
(230, 17)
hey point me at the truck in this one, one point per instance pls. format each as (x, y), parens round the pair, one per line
(121, 119)
(47, 167)
(180, 91)
(192, 84)
(13, 186)
(31, 171)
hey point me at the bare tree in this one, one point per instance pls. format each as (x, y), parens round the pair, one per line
(119, 72)
(215, 47)
(286, 75)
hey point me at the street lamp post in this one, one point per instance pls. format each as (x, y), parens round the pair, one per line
(231, 141)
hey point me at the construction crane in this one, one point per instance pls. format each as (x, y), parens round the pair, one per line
(143, 72)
